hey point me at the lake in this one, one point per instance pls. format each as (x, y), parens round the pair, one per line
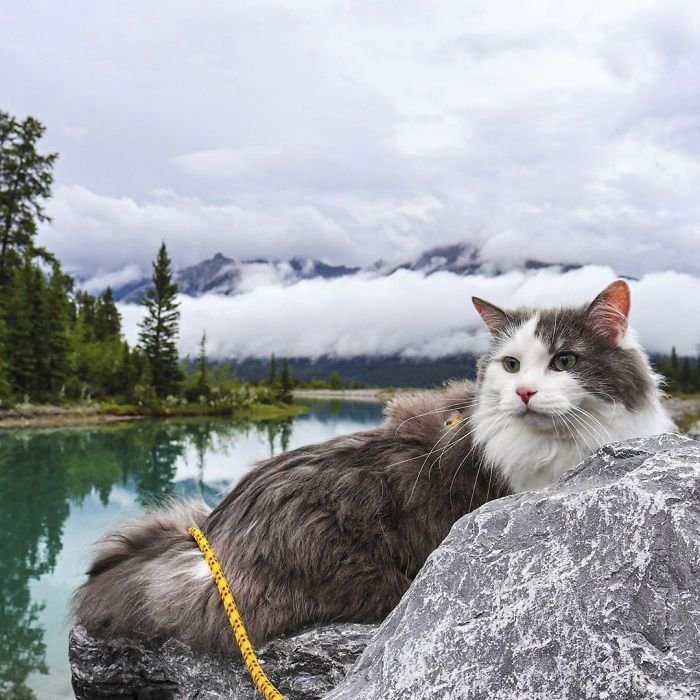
(61, 489)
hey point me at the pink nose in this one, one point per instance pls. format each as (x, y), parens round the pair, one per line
(525, 393)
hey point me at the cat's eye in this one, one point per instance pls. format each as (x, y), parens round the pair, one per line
(511, 364)
(564, 361)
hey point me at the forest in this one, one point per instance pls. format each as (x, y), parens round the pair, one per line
(60, 344)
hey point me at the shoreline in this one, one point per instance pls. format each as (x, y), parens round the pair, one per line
(44, 416)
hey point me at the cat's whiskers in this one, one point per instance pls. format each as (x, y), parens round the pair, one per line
(585, 417)
(612, 399)
(488, 428)
(583, 426)
(573, 432)
(425, 461)
(446, 409)
(594, 418)
(426, 455)
(500, 435)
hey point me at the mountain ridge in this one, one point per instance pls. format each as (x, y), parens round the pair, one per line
(229, 277)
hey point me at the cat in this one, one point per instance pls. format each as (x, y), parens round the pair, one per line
(337, 531)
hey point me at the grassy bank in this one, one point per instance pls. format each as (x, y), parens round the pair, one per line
(28, 416)
(254, 411)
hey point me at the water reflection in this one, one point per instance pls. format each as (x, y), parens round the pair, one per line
(45, 475)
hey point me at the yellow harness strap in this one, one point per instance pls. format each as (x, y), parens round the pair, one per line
(262, 683)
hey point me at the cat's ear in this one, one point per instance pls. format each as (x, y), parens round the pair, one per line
(609, 311)
(495, 319)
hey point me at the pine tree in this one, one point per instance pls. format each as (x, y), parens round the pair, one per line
(160, 328)
(335, 382)
(85, 314)
(57, 340)
(272, 370)
(26, 177)
(203, 385)
(286, 384)
(108, 322)
(686, 377)
(127, 371)
(4, 370)
(20, 355)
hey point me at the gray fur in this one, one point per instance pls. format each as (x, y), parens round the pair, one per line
(329, 532)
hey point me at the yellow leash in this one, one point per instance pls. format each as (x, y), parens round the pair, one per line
(262, 682)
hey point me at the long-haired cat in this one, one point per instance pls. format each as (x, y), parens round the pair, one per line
(337, 531)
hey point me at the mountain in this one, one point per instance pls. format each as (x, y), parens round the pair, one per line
(222, 275)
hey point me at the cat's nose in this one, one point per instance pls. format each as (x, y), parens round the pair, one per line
(525, 393)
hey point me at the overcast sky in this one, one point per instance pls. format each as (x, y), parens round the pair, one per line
(353, 131)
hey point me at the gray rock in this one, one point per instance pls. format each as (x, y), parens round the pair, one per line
(588, 589)
(303, 667)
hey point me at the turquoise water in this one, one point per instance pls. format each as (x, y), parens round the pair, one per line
(61, 489)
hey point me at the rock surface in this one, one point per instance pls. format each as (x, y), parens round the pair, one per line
(588, 589)
(304, 667)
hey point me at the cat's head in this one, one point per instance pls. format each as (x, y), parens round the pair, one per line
(545, 366)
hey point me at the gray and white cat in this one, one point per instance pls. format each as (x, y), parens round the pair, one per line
(337, 531)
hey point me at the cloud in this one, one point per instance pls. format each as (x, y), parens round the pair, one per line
(115, 279)
(412, 315)
(275, 129)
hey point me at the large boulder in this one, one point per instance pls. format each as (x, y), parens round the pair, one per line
(587, 589)
(304, 667)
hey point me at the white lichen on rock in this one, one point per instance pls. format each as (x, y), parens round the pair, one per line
(587, 589)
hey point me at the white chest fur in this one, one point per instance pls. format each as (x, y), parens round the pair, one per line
(531, 458)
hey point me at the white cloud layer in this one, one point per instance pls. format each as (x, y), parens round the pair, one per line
(354, 131)
(413, 315)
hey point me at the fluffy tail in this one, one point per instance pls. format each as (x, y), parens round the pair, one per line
(149, 580)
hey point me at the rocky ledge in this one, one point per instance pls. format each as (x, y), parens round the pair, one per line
(587, 589)
(304, 667)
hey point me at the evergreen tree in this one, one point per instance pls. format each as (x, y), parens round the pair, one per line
(335, 382)
(4, 373)
(286, 384)
(128, 373)
(202, 384)
(19, 332)
(107, 321)
(673, 371)
(686, 376)
(272, 370)
(57, 340)
(26, 177)
(160, 328)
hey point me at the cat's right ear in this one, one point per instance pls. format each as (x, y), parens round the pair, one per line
(495, 319)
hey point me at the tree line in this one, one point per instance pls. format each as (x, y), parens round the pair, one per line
(58, 342)
(682, 374)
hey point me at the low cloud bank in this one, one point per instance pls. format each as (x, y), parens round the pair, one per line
(415, 316)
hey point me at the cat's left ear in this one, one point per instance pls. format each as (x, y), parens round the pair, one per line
(609, 311)
(495, 319)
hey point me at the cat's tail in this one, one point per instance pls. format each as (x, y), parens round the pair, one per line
(148, 579)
